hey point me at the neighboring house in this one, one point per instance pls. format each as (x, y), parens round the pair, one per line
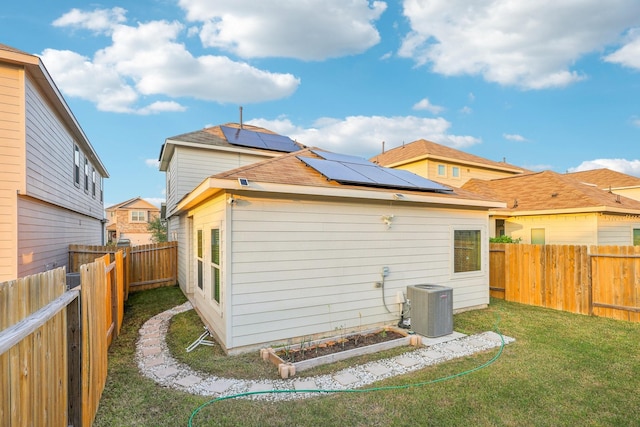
(552, 208)
(609, 180)
(51, 178)
(130, 220)
(444, 164)
(189, 158)
(298, 246)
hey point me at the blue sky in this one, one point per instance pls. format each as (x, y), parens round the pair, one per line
(549, 84)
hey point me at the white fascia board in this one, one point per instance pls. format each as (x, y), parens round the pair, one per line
(594, 209)
(213, 185)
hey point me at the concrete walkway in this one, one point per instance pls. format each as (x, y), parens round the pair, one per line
(155, 362)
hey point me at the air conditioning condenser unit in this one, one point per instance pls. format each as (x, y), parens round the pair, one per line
(431, 310)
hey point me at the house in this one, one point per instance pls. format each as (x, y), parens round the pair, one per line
(51, 178)
(299, 246)
(609, 180)
(444, 164)
(130, 220)
(189, 158)
(552, 208)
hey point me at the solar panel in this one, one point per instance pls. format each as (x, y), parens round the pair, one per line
(261, 140)
(341, 157)
(355, 170)
(336, 171)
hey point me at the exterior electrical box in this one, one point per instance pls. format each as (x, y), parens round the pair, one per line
(431, 310)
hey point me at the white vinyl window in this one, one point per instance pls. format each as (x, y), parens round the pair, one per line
(199, 259)
(442, 170)
(138, 216)
(76, 165)
(93, 183)
(215, 264)
(86, 174)
(467, 251)
(455, 172)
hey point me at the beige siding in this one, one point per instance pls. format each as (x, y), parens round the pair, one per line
(50, 160)
(577, 229)
(196, 164)
(429, 169)
(310, 267)
(208, 216)
(632, 193)
(45, 233)
(617, 230)
(12, 160)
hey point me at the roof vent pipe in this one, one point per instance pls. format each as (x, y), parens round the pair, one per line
(382, 147)
(241, 117)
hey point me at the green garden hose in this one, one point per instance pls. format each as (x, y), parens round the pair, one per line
(362, 390)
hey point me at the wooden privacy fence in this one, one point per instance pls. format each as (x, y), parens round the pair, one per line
(600, 280)
(145, 266)
(53, 344)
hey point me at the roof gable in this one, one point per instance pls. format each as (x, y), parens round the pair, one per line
(214, 138)
(134, 203)
(423, 149)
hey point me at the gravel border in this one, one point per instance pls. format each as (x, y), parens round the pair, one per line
(155, 362)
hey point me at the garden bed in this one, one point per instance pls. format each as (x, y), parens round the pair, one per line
(308, 354)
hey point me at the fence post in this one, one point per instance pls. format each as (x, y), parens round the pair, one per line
(74, 363)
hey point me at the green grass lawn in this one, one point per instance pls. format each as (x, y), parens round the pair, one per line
(563, 369)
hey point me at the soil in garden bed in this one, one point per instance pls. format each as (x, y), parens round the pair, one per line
(306, 352)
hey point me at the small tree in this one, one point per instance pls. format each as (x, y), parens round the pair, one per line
(158, 229)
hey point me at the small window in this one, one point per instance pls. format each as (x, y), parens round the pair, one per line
(537, 236)
(76, 165)
(455, 172)
(86, 174)
(636, 237)
(101, 189)
(93, 180)
(442, 170)
(138, 216)
(215, 264)
(168, 183)
(466, 251)
(199, 258)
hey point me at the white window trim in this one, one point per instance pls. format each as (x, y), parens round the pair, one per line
(217, 306)
(137, 221)
(76, 165)
(484, 252)
(438, 170)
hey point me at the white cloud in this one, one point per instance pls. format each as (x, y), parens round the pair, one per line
(308, 30)
(152, 163)
(99, 20)
(466, 110)
(514, 137)
(148, 60)
(629, 54)
(529, 44)
(425, 104)
(630, 167)
(363, 135)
